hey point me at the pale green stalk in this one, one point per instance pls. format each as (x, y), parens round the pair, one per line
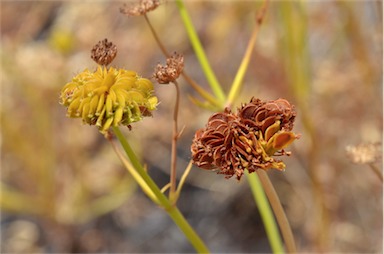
(200, 54)
(171, 209)
(295, 51)
(265, 213)
(238, 81)
(278, 210)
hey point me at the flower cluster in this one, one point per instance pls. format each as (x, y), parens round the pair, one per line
(108, 97)
(246, 140)
(140, 8)
(104, 52)
(164, 74)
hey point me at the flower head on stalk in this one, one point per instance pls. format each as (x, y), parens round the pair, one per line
(246, 140)
(165, 74)
(108, 96)
(140, 8)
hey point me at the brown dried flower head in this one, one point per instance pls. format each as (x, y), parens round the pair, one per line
(140, 8)
(104, 52)
(247, 140)
(164, 74)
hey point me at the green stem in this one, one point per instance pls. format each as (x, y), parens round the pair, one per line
(238, 81)
(139, 168)
(190, 81)
(172, 210)
(278, 211)
(188, 231)
(200, 54)
(266, 213)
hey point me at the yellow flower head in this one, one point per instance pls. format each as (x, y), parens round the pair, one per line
(108, 97)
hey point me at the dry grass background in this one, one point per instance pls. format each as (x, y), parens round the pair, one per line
(64, 190)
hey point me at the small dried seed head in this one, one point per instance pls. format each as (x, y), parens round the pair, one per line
(104, 52)
(365, 153)
(246, 140)
(108, 97)
(140, 8)
(164, 74)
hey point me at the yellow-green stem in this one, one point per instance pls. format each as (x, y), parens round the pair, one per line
(265, 213)
(297, 62)
(190, 81)
(238, 81)
(278, 211)
(171, 209)
(200, 54)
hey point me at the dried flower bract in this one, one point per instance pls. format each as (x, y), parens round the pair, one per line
(141, 8)
(247, 140)
(104, 52)
(164, 74)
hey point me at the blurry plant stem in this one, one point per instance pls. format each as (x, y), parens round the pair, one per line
(278, 211)
(175, 136)
(155, 193)
(199, 51)
(190, 81)
(297, 63)
(377, 171)
(238, 81)
(266, 213)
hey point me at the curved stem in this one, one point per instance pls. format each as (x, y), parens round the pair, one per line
(171, 209)
(238, 81)
(279, 211)
(139, 168)
(265, 213)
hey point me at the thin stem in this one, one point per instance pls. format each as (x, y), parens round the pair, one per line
(377, 171)
(139, 168)
(296, 58)
(183, 178)
(190, 81)
(147, 190)
(199, 50)
(266, 213)
(188, 231)
(278, 210)
(171, 209)
(175, 136)
(158, 41)
(238, 81)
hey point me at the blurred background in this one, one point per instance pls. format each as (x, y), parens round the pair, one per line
(64, 190)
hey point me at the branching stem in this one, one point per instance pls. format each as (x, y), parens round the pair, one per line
(190, 81)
